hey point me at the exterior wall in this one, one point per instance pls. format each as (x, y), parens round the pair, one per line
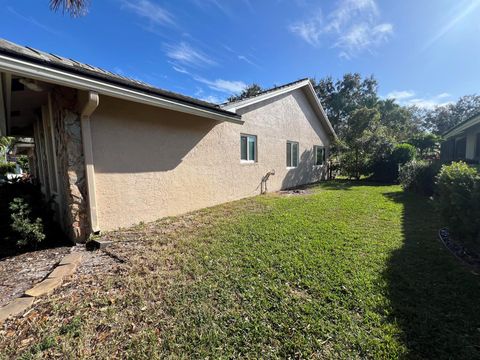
(450, 149)
(151, 163)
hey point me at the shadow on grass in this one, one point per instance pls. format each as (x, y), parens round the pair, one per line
(435, 299)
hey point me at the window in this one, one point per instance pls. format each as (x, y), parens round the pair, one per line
(319, 155)
(248, 148)
(292, 154)
(477, 147)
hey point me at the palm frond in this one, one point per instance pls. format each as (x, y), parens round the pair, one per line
(73, 7)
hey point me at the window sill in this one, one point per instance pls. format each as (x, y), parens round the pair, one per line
(291, 167)
(247, 162)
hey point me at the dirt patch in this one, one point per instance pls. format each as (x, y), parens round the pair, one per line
(295, 192)
(21, 272)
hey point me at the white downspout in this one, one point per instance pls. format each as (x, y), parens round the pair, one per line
(87, 110)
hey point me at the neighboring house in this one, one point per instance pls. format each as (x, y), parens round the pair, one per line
(462, 142)
(112, 151)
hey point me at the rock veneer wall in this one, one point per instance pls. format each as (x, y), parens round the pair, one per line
(71, 164)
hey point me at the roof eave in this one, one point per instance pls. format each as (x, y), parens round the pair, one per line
(21, 67)
(474, 120)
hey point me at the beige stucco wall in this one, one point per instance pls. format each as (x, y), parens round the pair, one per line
(151, 163)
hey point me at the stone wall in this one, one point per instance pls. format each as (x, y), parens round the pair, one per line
(71, 165)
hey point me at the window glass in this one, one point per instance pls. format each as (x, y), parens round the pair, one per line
(248, 147)
(289, 154)
(243, 147)
(292, 154)
(319, 155)
(251, 148)
(295, 154)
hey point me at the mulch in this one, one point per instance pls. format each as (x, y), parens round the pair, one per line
(19, 273)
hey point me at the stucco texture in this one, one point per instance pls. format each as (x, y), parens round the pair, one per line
(151, 163)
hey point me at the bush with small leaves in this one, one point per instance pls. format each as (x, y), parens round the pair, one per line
(459, 200)
(403, 153)
(419, 176)
(30, 230)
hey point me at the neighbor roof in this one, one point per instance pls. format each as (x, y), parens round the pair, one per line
(473, 120)
(9, 50)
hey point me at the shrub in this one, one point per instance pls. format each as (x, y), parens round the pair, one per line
(419, 176)
(7, 167)
(384, 170)
(403, 153)
(30, 229)
(459, 200)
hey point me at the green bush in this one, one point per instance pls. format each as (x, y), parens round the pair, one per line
(403, 153)
(459, 201)
(7, 167)
(30, 229)
(419, 176)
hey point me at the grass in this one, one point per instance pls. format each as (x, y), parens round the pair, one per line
(352, 270)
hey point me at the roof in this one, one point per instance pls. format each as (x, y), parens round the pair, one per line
(267, 91)
(279, 90)
(473, 120)
(48, 60)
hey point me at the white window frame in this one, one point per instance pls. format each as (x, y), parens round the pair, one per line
(291, 154)
(324, 160)
(248, 161)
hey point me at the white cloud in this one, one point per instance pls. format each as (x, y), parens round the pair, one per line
(226, 86)
(187, 55)
(151, 11)
(247, 60)
(408, 98)
(354, 26)
(211, 99)
(400, 95)
(309, 30)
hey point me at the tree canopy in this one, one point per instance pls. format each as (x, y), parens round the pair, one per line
(73, 7)
(249, 91)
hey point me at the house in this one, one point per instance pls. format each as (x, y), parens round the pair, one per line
(462, 142)
(113, 151)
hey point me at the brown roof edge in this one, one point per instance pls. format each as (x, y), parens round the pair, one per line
(56, 62)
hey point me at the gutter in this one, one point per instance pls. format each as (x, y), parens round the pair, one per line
(103, 85)
(89, 106)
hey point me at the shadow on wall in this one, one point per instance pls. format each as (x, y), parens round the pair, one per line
(144, 139)
(434, 298)
(306, 172)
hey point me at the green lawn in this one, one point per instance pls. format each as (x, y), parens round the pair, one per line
(353, 270)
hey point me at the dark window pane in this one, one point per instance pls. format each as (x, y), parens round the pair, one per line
(477, 146)
(243, 148)
(251, 148)
(289, 154)
(295, 154)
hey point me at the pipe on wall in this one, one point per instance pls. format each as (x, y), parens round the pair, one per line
(89, 105)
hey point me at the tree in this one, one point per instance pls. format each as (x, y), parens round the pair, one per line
(442, 118)
(362, 139)
(249, 91)
(6, 142)
(342, 97)
(73, 7)
(398, 120)
(426, 143)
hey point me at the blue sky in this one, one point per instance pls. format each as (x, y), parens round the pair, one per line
(423, 52)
